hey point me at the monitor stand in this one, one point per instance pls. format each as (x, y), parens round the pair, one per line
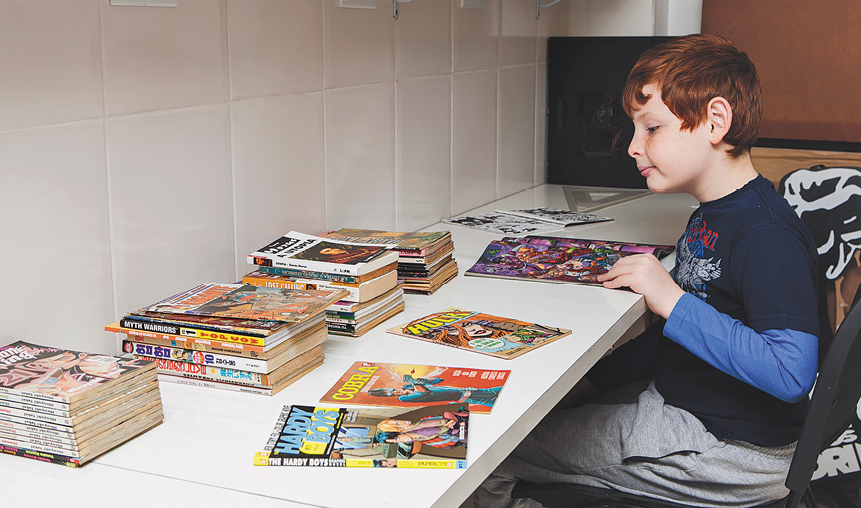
(588, 199)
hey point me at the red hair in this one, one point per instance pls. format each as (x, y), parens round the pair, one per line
(692, 70)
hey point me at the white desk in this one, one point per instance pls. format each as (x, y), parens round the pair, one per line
(202, 454)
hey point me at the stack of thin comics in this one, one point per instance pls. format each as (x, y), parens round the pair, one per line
(67, 407)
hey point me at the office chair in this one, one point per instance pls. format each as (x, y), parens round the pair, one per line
(832, 409)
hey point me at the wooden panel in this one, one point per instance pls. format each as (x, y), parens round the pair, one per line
(808, 56)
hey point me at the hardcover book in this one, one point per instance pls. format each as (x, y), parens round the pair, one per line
(325, 436)
(402, 385)
(549, 259)
(245, 301)
(555, 216)
(298, 251)
(502, 223)
(483, 333)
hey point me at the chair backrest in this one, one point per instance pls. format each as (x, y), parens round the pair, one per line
(833, 404)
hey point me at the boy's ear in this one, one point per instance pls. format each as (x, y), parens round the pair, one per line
(718, 119)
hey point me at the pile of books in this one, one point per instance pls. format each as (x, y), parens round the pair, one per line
(67, 407)
(231, 336)
(425, 260)
(367, 273)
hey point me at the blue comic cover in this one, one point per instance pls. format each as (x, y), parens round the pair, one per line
(549, 259)
(432, 437)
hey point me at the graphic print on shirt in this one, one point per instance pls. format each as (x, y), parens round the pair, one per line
(693, 269)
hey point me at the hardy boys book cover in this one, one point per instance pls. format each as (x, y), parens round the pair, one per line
(326, 436)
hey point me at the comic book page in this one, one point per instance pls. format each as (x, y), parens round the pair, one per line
(556, 216)
(330, 436)
(245, 301)
(403, 385)
(483, 333)
(556, 259)
(502, 223)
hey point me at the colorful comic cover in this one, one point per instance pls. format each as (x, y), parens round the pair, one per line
(299, 251)
(61, 375)
(402, 385)
(556, 259)
(492, 335)
(432, 437)
(245, 301)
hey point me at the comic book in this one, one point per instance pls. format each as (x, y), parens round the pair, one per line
(433, 437)
(502, 223)
(403, 385)
(555, 216)
(299, 251)
(245, 301)
(548, 259)
(407, 244)
(62, 375)
(501, 337)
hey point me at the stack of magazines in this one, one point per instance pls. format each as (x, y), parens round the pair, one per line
(67, 407)
(232, 336)
(369, 274)
(425, 260)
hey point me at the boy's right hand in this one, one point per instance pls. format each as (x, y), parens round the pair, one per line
(644, 274)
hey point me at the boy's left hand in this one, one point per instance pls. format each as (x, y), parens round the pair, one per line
(644, 274)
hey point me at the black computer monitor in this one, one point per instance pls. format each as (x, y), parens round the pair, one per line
(588, 132)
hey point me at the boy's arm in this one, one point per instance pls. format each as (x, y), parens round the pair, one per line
(781, 363)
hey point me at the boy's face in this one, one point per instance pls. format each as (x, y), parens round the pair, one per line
(671, 160)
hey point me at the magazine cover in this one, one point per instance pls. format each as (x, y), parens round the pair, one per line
(58, 374)
(402, 241)
(245, 301)
(323, 436)
(556, 216)
(401, 385)
(492, 335)
(556, 259)
(502, 223)
(306, 252)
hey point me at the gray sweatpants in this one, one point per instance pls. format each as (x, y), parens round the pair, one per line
(643, 447)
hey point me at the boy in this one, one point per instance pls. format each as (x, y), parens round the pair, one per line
(727, 370)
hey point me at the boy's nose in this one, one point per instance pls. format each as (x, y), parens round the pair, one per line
(635, 149)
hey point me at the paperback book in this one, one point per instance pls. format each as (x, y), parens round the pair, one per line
(548, 259)
(299, 251)
(403, 385)
(433, 437)
(497, 336)
(407, 244)
(245, 301)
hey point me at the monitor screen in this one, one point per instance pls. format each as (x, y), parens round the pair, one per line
(588, 132)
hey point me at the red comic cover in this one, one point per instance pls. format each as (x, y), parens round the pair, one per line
(402, 385)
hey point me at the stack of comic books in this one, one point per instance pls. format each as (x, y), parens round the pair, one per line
(67, 407)
(531, 220)
(425, 260)
(367, 271)
(232, 336)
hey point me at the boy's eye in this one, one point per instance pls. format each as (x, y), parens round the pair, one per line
(651, 130)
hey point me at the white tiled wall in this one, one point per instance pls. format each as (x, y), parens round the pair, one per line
(146, 149)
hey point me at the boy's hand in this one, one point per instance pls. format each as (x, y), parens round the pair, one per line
(644, 274)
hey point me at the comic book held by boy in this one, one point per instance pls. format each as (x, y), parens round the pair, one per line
(549, 259)
(245, 301)
(433, 437)
(402, 385)
(497, 336)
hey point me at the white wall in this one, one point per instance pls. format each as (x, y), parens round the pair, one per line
(144, 150)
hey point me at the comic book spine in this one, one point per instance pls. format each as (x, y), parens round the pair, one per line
(304, 264)
(64, 460)
(193, 333)
(68, 446)
(14, 404)
(340, 327)
(168, 378)
(180, 339)
(236, 330)
(196, 357)
(32, 415)
(212, 348)
(195, 371)
(36, 424)
(32, 401)
(309, 274)
(28, 445)
(145, 323)
(265, 282)
(344, 321)
(20, 429)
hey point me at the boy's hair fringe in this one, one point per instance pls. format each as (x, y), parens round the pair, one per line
(692, 70)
